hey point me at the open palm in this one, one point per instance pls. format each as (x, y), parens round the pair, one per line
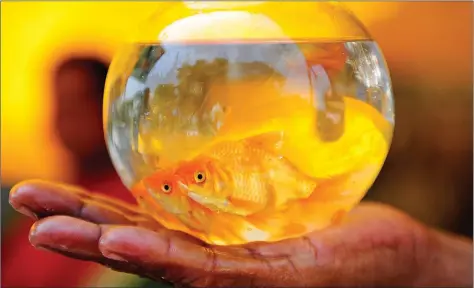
(373, 245)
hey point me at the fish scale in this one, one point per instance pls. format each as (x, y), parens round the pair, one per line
(258, 175)
(245, 184)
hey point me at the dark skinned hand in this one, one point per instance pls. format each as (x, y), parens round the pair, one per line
(373, 245)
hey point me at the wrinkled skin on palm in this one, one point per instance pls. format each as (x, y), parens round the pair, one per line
(373, 245)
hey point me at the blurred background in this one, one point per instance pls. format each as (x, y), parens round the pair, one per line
(54, 61)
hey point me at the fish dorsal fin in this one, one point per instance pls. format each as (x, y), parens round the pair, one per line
(269, 141)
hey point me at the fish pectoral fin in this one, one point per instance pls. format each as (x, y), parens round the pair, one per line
(287, 186)
(210, 202)
(190, 222)
(232, 206)
(245, 207)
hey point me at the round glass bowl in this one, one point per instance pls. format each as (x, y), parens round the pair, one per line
(249, 121)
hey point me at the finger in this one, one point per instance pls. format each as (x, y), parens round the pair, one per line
(177, 256)
(76, 239)
(65, 233)
(40, 199)
(32, 191)
(150, 254)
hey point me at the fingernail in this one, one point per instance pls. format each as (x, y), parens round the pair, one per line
(33, 233)
(25, 211)
(113, 256)
(43, 248)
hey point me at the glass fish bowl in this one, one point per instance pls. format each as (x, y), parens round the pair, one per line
(238, 122)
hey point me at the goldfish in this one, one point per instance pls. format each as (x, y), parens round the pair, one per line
(236, 177)
(236, 188)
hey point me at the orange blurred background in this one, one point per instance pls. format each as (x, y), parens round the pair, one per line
(428, 47)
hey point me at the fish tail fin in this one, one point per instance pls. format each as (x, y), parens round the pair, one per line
(327, 204)
(291, 220)
(348, 187)
(330, 189)
(226, 229)
(271, 223)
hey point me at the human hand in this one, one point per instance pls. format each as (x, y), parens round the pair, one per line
(374, 245)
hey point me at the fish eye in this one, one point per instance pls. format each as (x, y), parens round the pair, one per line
(199, 177)
(166, 188)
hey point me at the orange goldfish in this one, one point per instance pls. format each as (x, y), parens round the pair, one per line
(235, 177)
(238, 186)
